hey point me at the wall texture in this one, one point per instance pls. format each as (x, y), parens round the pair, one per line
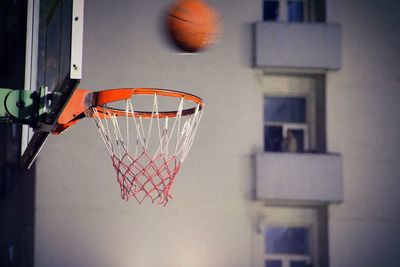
(363, 114)
(80, 218)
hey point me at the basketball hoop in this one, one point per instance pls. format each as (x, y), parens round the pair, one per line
(146, 147)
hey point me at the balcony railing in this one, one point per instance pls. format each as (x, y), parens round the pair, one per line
(298, 46)
(299, 178)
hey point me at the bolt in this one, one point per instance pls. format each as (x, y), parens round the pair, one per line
(20, 103)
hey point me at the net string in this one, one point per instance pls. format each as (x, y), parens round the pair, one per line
(140, 173)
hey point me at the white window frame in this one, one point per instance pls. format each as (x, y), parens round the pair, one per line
(287, 258)
(293, 126)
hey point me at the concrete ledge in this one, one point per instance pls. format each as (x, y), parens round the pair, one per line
(298, 45)
(299, 178)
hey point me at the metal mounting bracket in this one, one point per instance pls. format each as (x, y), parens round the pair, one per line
(22, 106)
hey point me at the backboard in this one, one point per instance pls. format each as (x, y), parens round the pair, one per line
(53, 65)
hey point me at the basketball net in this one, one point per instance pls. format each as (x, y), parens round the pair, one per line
(147, 151)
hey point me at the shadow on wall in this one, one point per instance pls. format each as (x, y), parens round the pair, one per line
(72, 241)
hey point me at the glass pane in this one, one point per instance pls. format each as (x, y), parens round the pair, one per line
(296, 11)
(285, 109)
(286, 240)
(273, 263)
(271, 10)
(299, 264)
(273, 138)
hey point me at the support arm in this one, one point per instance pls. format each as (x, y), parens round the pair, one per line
(19, 106)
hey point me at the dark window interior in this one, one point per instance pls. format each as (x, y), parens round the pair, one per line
(271, 10)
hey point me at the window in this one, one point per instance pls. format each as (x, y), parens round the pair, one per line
(294, 10)
(271, 10)
(273, 263)
(286, 240)
(294, 113)
(291, 237)
(287, 246)
(285, 124)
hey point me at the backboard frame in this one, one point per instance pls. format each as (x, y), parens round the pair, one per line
(34, 136)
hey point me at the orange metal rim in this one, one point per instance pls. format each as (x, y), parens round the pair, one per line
(111, 95)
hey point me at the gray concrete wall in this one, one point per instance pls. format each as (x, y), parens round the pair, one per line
(363, 109)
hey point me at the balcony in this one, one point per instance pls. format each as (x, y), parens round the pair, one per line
(299, 178)
(298, 46)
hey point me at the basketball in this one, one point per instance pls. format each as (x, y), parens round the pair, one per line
(192, 25)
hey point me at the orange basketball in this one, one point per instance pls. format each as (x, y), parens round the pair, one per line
(192, 24)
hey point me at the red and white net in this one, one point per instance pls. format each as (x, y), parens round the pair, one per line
(147, 148)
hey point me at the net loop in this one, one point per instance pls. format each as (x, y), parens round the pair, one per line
(147, 151)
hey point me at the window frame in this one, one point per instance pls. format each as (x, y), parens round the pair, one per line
(293, 126)
(307, 127)
(287, 258)
(310, 87)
